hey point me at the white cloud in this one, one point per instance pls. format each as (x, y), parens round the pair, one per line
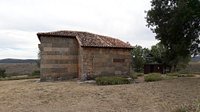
(18, 44)
(18, 53)
(22, 19)
(15, 39)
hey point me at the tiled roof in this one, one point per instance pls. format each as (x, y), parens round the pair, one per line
(89, 39)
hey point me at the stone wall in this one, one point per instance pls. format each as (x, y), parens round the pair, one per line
(106, 61)
(63, 58)
(59, 58)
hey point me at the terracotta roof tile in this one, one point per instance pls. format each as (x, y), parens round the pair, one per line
(89, 39)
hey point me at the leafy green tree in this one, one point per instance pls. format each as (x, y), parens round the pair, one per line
(177, 26)
(138, 59)
(158, 53)
(2, 73)
(147, 56)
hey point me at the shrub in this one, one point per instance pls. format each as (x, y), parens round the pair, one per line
(153, 77)
(111, 80)
(140, 74)
(185, 75)
(173, 74)
(2, 73)
(180, 75)
(133, 76)
(35, 73)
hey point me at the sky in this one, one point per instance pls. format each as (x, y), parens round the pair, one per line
(21, 20)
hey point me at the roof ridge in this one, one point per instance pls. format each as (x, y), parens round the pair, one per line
(88, 39)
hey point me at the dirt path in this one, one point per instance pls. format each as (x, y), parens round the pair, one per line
(33, 96)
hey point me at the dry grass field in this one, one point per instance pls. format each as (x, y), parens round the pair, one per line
(19, 68)
(72, 96)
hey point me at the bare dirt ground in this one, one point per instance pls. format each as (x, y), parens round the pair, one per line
(71, 96)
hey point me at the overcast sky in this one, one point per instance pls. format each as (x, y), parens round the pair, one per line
(20, 20)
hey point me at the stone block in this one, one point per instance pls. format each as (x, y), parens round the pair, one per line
(118, 72)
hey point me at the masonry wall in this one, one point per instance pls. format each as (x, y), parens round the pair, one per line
(106, 61)
(59, 58)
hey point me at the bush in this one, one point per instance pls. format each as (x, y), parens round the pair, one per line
(2, 73)
(140, 74)
(180, 75)
(173, 74)
(185, 75)
(35, 73)
(133, 76)
(111, 80)
(153, 77)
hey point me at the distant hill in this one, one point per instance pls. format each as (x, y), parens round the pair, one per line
(18, 61)
(195, 59)
(19, 66)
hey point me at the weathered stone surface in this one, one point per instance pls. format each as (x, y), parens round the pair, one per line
(59, 58)
(99, 61)
(64, 58)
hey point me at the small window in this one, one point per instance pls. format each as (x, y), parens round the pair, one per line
(118, 60)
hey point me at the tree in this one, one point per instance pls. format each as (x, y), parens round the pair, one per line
(147, 56)
(140, 57)
(2, 73)
(177, 26)
(138, 60)
(158, 53)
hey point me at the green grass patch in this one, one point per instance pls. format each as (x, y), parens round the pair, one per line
(180, 75)
(135, 75)
(152, 77)
(175, 74)
(185, 75)
(140, 74)
(19, 77)
(111, 80)
(166, 77)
